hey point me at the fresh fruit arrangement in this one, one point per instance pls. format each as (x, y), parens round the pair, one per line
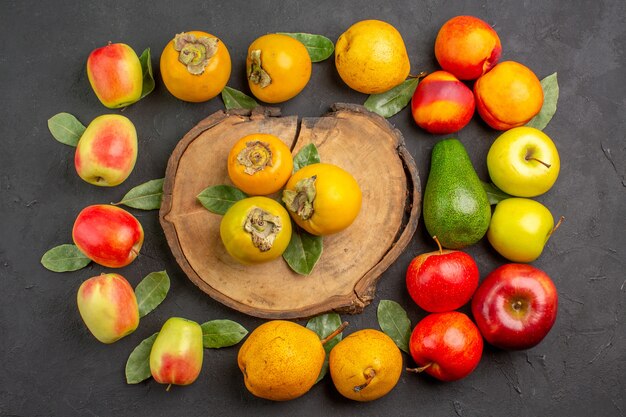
(280, 203)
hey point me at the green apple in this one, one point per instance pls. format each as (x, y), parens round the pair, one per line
(523, 162)
(520, 228)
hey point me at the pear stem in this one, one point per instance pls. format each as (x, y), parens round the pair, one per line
(438, 244)
(334, 333)
(545, 164)
(369, 376)
(420, 369)
(558, 224)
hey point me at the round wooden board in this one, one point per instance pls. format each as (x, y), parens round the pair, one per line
(344, 280)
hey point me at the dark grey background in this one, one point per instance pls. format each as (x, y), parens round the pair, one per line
(52, 366)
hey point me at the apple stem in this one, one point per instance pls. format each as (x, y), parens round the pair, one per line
(438, 244)
(168, 388)
(558, 224)
(369, 376)
(420, 369)
(545, 164)
(420, 75)
(334, 333)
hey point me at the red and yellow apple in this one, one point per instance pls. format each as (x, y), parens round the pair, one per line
(107, 151)
(442, 280)
(447, 346)
(442, 104)
(515, 306)
(108, 307)
(467, 47)
(115, 74)
(177, 353)
(523, 162)
(108, 235)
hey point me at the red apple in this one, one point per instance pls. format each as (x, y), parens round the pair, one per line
(443, 280)
(107, 151)
(108, 235)
(447, 346)
(115, 74)
(515, 306)
(108, 306)
(442, 104)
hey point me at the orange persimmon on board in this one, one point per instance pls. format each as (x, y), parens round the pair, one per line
(259, 164)
(195, 66)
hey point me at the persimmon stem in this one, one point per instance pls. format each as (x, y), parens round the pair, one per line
(334, 333)
(369, 376)
(420, 369)
(438, 244)
(532, 158)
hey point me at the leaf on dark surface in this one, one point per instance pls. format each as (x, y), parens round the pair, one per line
(148, 78)
(303, 251)
(235, 99)
(146, 196)
(151, 291)
(391, 102)
(550, 86)
(138, 363)
(323, 325)
(308, 155)
(219, 198)
(66, 128)
(395, 323)
(64, 258)
(222, 333)
(319, 47)
(494, 194)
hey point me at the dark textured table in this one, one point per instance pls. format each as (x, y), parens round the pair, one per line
(52, 366)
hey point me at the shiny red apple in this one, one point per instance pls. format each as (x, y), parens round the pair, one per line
(515, 306)
(442, 280)
(447, 346)
(108, 235)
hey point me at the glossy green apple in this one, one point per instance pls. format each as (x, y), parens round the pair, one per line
(520, 228)
(523, 162)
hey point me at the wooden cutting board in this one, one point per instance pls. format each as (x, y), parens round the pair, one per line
(344, 280)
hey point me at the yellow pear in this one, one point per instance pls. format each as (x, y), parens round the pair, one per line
(366, 365)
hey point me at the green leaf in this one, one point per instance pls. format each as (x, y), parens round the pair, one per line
(151, 291)
(146, 68)
(303, 251)
(391, 102)
(219, 198)
(222, 333)
(64, 258)
(235, 99)
(395, 323)
(138, 363)
(306, 156)
(324, 325)
(550, 88)
(146, 196)
(494, 194)
(318, 46)
(66, 128)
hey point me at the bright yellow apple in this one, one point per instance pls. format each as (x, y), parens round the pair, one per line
(520, 228)
(523, 162)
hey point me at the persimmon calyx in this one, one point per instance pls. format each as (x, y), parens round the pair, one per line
(195, 53)
(255, 157)
(263, 228)
(300, 200)
(256, 74)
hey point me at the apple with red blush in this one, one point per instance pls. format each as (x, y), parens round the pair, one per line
(515, 306)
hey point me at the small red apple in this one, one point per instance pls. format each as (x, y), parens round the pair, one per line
(442, 280)
(515, 306)
(108, 235)
(447, 346)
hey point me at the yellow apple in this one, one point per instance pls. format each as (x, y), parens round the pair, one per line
(520, 228)
(523, 162)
